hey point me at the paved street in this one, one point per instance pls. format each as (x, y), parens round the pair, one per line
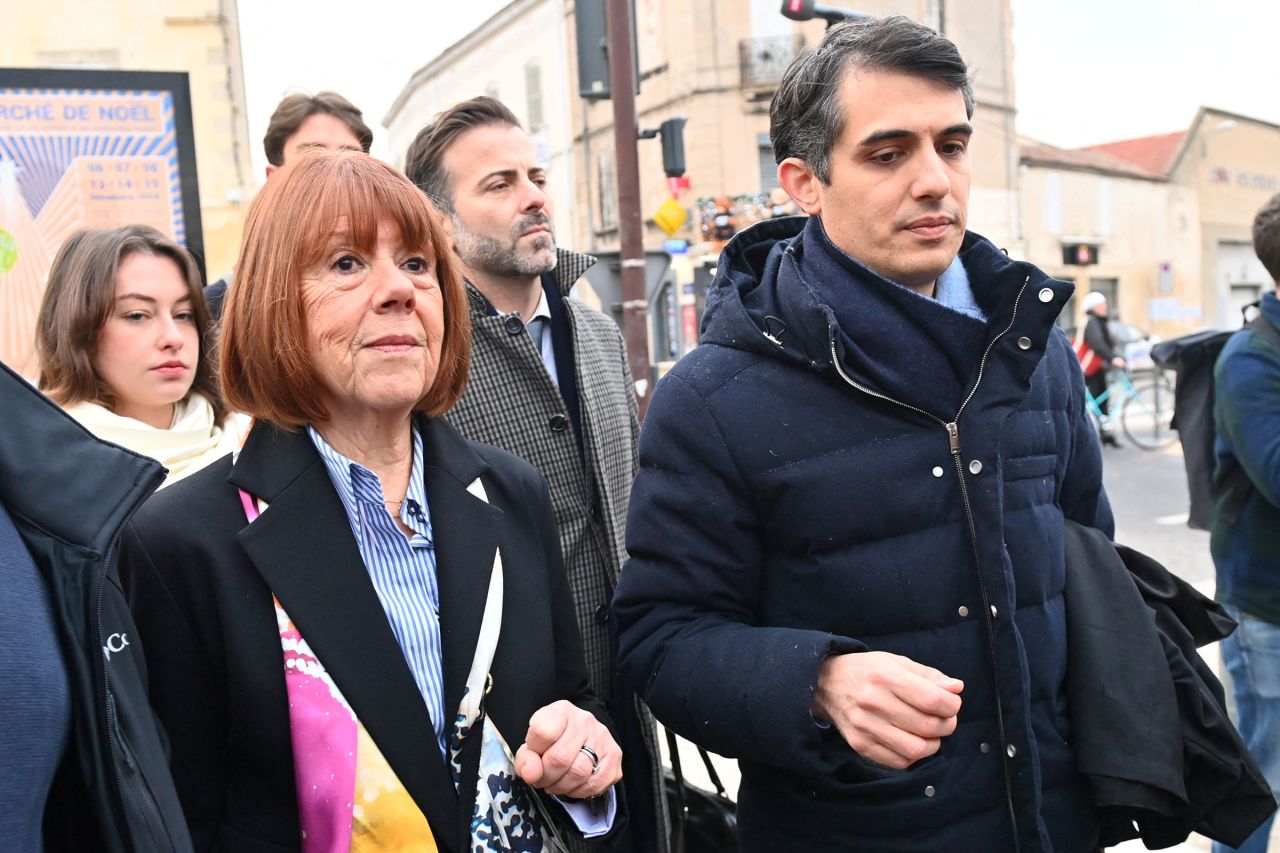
(1148, 492)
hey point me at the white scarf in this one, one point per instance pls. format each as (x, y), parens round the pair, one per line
(189, 444)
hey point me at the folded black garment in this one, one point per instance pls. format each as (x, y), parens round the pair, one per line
(1148, 716)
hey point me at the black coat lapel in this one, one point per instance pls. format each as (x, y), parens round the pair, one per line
(303, 548)
(465, 529)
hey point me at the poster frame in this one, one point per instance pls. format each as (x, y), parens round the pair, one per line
(175, 83)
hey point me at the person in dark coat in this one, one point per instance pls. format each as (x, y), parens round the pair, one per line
(83, 759)
(369, 642)
(847, 532)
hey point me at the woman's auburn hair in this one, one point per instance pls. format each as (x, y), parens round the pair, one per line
(79, 299)
(266, 365)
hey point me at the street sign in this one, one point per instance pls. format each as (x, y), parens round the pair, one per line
(605, 278)
(1171, 308)
(670, 216)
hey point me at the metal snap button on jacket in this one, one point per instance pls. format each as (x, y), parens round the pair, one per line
(984, 748)
(975, 467)
(937, 471)
(963, 611)
(1046, 294)
(929, 790)
(602, 614)
(1024, 342)
(559, 422)
(1012, 751)
(513, 324)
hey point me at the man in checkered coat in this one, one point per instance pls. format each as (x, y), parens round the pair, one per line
(550, 383)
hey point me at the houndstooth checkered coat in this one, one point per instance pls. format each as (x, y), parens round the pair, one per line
(511, 401)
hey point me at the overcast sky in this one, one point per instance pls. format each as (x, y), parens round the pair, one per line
(1087, 70)
(1092, 71)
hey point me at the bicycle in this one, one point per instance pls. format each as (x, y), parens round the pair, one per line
(1145, 410)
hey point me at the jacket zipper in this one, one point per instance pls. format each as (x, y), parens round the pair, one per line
(107, 709)
(953, 439)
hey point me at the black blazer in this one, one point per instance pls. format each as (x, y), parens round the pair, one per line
(200, 580)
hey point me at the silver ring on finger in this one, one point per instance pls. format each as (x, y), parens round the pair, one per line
(595, 759)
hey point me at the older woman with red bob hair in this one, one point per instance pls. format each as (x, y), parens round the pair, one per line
(359, 632)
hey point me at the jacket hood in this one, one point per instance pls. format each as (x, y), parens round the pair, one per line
(57, 475)
(776, 288)
(744, 306)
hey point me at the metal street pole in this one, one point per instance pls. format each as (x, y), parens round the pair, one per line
(635, 304)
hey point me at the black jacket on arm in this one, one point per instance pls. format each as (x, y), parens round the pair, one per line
(200, 575)
(1152, 733)
(68, 495)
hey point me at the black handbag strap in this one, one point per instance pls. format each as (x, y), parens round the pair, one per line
(681, 817)
(676, 770)
(711, 771)
(697, 811)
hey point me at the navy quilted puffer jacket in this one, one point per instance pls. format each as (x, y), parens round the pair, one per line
(895, 482)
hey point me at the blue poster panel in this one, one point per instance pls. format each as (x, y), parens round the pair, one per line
(85, 149)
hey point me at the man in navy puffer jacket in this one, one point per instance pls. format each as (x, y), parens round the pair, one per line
(846, 536)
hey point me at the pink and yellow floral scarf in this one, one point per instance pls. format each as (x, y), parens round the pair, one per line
(349, 798)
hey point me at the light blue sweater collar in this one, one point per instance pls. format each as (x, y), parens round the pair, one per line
(954, 292)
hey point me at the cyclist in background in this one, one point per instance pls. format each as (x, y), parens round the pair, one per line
(1098, 336)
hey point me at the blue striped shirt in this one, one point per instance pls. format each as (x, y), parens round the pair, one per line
(403, 570)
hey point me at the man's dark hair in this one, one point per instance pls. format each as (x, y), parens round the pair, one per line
(424, 161)
(297, 108)
(1266, 237)
(806, 117)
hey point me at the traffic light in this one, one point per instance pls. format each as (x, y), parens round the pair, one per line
(591, 39)
(1079, 254)
(807, 10)
(671, 132)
